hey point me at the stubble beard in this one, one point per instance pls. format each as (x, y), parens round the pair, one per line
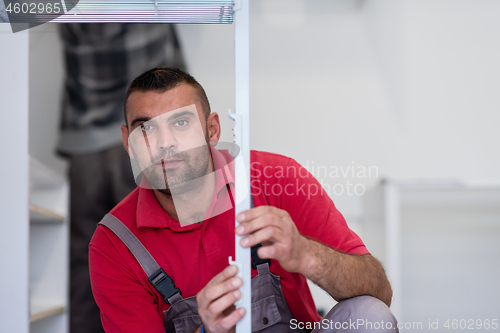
(188, 178)
(196, 165)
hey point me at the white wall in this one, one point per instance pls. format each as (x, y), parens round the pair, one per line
(391, 84)
(409, 87)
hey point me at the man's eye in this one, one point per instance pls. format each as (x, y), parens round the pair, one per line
(181, 123)
(146, 127)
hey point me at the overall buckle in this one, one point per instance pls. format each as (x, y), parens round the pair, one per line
(255, 257)
(163, 284)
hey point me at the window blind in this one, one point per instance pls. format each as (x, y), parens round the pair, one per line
(131, 11)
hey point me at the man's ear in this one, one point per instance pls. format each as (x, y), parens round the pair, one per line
(125, 135)
(213, 127)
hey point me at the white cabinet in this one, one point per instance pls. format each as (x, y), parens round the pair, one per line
(33, 207)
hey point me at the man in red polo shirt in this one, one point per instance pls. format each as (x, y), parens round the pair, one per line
(183, 214)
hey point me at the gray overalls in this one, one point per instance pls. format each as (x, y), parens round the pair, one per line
(270, 312)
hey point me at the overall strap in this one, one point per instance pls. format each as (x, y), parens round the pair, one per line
(263, 269)
(156, 275)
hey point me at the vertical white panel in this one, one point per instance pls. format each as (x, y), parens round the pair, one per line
(14, 222)
(242, 101)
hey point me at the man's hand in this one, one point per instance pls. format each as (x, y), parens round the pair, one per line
(275, 230)
(341, 275)
(216, 302)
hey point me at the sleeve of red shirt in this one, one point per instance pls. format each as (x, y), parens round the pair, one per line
(126, 306)
(314, 212)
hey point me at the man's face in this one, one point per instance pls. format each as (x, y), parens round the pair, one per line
(167, 135)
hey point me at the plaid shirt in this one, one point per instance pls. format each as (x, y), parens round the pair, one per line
(101, 59)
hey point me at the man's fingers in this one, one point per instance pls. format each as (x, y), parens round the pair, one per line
(213, 293)
(268, 234)
(260, 222)
(231, 320)
(255, 212)
(270, 252)
(227, 273)
(221, 284)
(219, 306)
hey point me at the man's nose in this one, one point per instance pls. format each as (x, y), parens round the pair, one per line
(166, 139)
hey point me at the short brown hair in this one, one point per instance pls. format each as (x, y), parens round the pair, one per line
(161, 79)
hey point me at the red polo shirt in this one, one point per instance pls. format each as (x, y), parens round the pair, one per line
(192, 255)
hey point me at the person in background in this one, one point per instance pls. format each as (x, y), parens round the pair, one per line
(100, 61)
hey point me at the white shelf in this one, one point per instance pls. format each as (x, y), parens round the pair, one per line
(48, 250)
(41, 309)
(39, 214)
